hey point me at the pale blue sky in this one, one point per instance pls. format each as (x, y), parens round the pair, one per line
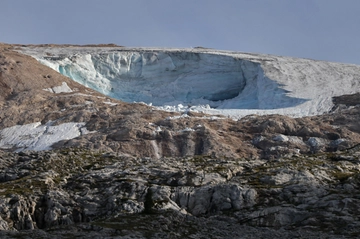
(317, 29)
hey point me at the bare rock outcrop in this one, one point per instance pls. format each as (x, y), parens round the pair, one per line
(76, 187)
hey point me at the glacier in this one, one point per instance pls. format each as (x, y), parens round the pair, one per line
(212, 81)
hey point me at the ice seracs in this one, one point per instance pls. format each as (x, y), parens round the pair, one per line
(211, 81)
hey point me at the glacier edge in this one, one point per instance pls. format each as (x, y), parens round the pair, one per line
(233, 84)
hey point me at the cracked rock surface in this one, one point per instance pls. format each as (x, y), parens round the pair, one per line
(78, 188)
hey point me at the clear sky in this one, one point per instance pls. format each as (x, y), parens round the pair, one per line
(317, 29)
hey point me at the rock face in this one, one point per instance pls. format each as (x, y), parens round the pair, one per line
(70, 187)
(135, 171)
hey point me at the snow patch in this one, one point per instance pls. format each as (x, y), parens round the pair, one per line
(110, 103)
(64, 88)
(187, 130)
(281, 138)
(38, 137)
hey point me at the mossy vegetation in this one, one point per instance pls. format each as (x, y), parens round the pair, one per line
(342, 177)
(50, 169)
(339, 166)
(165, 225)
(60, 165)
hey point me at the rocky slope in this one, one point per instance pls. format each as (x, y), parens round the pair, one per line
(144, 173)
(118, 195)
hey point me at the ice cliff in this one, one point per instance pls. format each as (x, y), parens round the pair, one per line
(228, 83)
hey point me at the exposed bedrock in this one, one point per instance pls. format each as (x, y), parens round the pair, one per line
(79, 187)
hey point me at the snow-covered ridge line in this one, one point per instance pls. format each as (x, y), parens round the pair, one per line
(231, 83)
